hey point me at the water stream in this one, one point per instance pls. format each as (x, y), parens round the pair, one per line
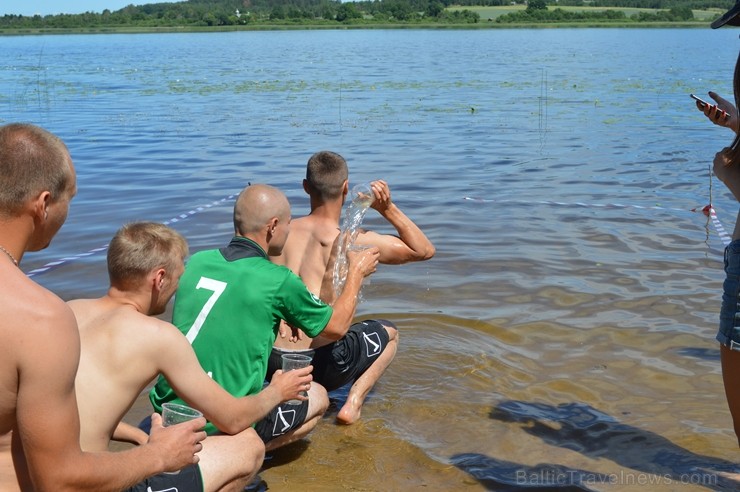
(362, 198)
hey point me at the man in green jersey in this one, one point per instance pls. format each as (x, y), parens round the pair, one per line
(231, 301)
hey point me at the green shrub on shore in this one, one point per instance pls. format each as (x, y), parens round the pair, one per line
(261, 14)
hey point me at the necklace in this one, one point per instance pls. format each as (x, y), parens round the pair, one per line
(15, 262)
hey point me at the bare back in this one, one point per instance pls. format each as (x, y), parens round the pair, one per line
(39, 349)
(115, 365)
(10, 324)
(29, 314)
(309, 252)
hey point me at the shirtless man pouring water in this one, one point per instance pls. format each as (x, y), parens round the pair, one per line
(361, 356)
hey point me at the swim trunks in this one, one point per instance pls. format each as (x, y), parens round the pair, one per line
(729, 317)
(281, 419)
(186, 480)
(345, 360)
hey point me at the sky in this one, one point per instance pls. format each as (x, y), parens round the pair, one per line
(45, 7)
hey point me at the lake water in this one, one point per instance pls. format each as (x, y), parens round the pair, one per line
(562, 338)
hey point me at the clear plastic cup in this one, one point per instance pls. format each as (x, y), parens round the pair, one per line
(175, 413)
(295, 361)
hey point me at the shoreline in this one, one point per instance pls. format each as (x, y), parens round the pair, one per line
(313, 27)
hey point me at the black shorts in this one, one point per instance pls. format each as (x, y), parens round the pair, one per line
(186, 480)
(345, 360)
(281, 419)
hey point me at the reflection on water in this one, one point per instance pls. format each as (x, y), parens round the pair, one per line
(574, 291)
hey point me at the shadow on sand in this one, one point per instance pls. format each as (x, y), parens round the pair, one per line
(582, 428)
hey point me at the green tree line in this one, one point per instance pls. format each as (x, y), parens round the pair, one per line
(245, 12)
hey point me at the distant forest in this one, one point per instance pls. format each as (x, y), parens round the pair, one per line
(216, 13)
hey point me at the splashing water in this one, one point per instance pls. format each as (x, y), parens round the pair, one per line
(362, 198)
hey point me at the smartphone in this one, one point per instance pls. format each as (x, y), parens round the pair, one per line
(718, 113)
(701, 101)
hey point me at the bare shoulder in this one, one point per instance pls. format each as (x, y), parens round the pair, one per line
(31, 311)
(315, 228)
(81, 308)
(301, 229)
(161, 339)
(39, 343)
(163, 330)
(120, 328)
(151, 333)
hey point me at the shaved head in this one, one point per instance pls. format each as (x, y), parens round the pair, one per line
(256, 206)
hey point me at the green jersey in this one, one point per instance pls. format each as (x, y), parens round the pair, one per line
(229, 305)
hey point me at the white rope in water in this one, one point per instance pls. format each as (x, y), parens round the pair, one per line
(726, 238)
(54, 264)
(575, 204)
(707, 210)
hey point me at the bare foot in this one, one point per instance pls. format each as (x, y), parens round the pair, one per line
(350, 412)
(731, 476)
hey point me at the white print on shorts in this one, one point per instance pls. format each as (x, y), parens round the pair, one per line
(372, 344)
(285, 419)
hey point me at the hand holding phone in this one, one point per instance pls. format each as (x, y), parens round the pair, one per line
(716, 114)
(701, 101)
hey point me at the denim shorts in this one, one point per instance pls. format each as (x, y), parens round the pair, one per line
(729, 316)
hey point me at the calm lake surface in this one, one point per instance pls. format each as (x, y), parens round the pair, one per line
(563, 336)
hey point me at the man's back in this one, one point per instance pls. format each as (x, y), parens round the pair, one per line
(122, 350)
(32, 316)
(116, 364)
(310, 252)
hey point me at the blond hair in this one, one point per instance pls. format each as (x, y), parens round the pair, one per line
(140, 247)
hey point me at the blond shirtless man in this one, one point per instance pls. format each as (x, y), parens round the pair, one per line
(124, 347)
(365, 352)
(40, 344)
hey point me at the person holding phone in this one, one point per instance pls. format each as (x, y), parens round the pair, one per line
(727, 168)
(721, 113)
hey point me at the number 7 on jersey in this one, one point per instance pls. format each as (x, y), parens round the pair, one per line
(218, 288)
